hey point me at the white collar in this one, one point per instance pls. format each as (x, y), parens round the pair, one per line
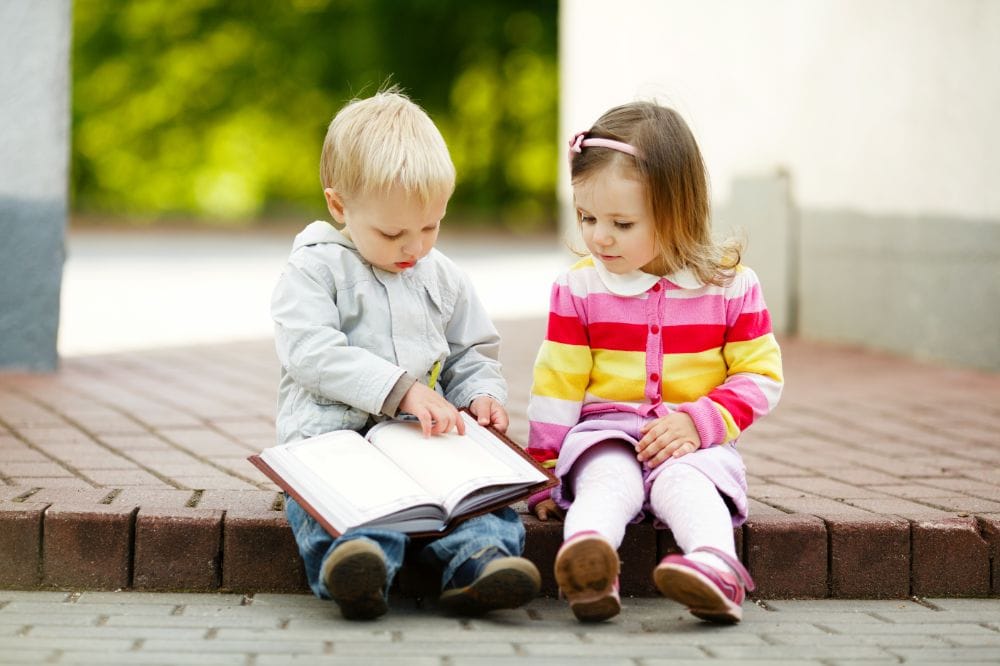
(638, 282)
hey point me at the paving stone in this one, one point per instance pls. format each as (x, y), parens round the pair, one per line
(950, 558)
(87, 547)
(20, 543)
(238, 500)
(71, 496)
(177, 549)
(55, 483)
(154, 498)
(787, 556)
(990, 529)
(869, 558)
(8, 493)
(260, 554)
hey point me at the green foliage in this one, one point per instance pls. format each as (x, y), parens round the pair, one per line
(218, 108)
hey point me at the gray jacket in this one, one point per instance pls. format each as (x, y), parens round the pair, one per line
(347, 333)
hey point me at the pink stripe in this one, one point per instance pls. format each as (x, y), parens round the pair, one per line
(680, 311)
(563, 303)
(707, 420)
(751, 301)
(743, 399)
(546, 436)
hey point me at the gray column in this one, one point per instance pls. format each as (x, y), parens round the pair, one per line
(760, 209)
(35, 38)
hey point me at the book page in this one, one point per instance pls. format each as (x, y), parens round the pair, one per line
(450, 466)
(346, 474)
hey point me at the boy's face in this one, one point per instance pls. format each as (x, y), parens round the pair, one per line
(391, 231)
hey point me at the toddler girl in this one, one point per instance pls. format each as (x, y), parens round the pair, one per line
(658, 354)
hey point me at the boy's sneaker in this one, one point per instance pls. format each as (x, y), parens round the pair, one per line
(586, 570)
(710, 594)
(490, 580)
(355, 576)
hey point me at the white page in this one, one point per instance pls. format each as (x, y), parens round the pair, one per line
(341, 465)
(450, 465)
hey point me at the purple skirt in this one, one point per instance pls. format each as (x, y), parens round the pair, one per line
(721, 464)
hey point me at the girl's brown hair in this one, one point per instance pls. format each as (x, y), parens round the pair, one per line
(671, 169)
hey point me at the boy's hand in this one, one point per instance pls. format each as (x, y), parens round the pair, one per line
(546, 508)
(673, 436)
(436, 415)
(489, 412)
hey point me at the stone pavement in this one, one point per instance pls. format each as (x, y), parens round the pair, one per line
(269, 629)
(876, 477)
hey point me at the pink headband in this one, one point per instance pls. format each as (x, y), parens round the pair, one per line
(579, 142)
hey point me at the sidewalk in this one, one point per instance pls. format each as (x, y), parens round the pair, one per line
(270, 629)
(875, 477)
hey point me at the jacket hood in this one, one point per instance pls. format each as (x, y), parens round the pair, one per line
(320, 232)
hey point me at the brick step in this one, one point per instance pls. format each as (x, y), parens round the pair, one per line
(108, 547)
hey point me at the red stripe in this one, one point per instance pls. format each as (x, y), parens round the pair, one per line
(693, 338)
(750, 325)
(619, 337)
(688, 339)
(567, 330)
(542, 455)
(740, 410)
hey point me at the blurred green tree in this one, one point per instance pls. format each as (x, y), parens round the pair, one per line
(216, 109)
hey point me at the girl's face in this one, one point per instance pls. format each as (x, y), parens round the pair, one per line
(615, 220)
(392, 231)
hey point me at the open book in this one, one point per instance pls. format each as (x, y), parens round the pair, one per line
(395, 478)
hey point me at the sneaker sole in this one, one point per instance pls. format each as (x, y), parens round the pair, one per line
(590, 592)
(356, 583)
(507, 582)
(701, 596)
(596, 610)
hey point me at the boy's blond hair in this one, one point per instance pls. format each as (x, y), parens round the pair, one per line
(383, 141)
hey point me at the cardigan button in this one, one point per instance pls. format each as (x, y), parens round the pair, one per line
(656, 287)
(654, 377)
(654, 329)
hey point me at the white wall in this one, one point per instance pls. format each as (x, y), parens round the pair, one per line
(881, 106)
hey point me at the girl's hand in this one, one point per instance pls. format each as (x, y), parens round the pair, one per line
(546, 508)
(671, 436)
(489, 412)
(436, 415)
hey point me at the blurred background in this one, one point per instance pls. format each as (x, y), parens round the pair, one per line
(214, 111)
(157, 156)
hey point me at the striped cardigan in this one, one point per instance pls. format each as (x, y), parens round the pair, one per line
(707, 351)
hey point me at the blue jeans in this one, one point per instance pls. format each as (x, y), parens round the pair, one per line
(502, 528)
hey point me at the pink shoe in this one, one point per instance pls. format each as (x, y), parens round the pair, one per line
(586, 570)
(708, 593)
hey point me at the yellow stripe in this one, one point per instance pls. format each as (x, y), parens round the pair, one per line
(618, 375)
(760, 355)
(435, 372)
(732, 432)
(691, 376)
(561, 371)
(574, 359)
(562, 385)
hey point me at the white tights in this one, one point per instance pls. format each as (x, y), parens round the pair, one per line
(608, 492)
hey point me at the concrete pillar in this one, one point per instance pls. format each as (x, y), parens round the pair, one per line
(35, 40)
(760, 209)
